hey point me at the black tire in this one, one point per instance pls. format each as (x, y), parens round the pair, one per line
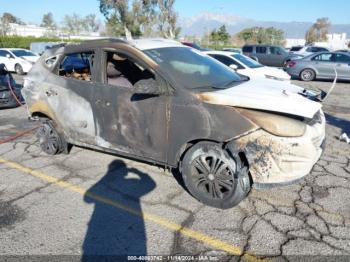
(307, 75)
(19, 69)
(50, 141)
(214, 177)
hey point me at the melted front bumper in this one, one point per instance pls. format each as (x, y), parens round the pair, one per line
(281, 160)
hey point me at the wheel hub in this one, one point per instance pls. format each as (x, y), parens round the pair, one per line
(211, 177)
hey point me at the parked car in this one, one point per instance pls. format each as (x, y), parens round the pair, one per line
(7, 96)
(309, 50)
(17, 60)
(40, 47)
(195, 46)
(343, 51)
(247, 66)
(234, 50)
(321, 66)
(267, 54)
(295, 49)
(162, 102)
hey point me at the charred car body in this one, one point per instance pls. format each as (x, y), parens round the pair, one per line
(162, 102)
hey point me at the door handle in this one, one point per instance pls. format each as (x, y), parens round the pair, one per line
(98, 102)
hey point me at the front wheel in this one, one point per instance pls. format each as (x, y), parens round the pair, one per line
(50, 141)
(213, 176)
(19, 69)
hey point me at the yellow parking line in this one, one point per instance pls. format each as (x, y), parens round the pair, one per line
(208, 240)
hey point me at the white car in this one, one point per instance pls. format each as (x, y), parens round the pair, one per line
(246, 66)
(307, 50)
(17, 60)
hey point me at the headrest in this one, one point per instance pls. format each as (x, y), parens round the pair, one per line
(112, 71)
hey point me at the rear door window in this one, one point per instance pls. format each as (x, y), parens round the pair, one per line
(327, 57)
(77, 66)
(247, 49)
(261, 49)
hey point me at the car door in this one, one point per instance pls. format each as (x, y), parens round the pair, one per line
(68, 92)
(276, 57)
(324, 64)
(343, 65)
(133, 124)
(261, 54)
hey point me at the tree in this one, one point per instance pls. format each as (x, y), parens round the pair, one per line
(91, 24)
(167, 19)
(73, 24)
(120, 17)
(261, 35)
(223, 35)
(5, 20)
(318, 31)
(48, 21)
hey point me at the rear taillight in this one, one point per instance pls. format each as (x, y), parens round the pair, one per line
(291, 63)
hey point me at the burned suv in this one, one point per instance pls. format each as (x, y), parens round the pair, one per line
(165, 103)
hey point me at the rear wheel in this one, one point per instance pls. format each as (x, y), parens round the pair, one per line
(213, 176)
(50, 141)
(307, 75)
(19, 69)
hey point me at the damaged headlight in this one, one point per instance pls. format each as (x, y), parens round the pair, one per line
(275, 124)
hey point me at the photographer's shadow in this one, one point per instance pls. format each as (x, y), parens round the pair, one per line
(113, 232)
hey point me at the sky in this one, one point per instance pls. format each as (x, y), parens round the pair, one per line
(262, 10)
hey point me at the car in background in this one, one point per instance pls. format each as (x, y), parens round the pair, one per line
(321, 66)
(131, 96)
(246, 66)
(234, 50)
(268, 55)
(195, 46)
(17, 59)
(10, 92)
(343, 51)
(295, 49)
(40, 47)
(309, 50)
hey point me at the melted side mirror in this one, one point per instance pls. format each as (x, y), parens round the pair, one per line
(147, 87)
(234, 67)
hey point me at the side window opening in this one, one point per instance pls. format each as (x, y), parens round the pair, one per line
(122, 71)
(77, 66)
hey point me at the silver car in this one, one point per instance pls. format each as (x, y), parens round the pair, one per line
(322, 65)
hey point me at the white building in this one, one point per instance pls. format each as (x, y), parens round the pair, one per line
(294, 42)
(26, 30)
(335, 42)
(38, 31)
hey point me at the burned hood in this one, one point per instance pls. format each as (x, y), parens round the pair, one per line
(268, 95)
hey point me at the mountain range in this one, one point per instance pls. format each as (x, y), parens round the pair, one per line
(206, 22)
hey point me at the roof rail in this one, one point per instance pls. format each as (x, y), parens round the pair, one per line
(106, 40)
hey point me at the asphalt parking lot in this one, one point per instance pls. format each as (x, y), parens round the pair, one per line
(91, 203)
